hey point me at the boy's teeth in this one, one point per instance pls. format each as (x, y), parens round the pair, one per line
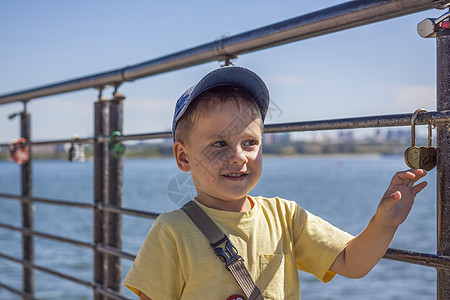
(235, 175)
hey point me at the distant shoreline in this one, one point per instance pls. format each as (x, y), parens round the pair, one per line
(283, 149)
(268, 156)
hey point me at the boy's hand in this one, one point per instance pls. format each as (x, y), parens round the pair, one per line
(399, 197)
(365, 250)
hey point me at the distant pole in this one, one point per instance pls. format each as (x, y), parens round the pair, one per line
(115, 184)
(27, 207)
(443, 161)
(101, 158)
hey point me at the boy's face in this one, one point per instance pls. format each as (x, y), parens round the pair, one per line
(223, 155)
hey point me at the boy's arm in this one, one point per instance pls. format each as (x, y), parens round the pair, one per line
(364, 251)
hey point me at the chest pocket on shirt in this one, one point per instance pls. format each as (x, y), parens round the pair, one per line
(276, 279)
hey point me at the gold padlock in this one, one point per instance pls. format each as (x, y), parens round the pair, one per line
(412, 154)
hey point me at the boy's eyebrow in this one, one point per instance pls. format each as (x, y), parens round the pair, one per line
(252, 135)
(245, 134)
(216, 136)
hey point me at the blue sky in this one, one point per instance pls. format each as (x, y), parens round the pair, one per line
(381, 68)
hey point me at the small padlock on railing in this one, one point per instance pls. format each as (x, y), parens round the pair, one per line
(19, 151)
(116, 148)
(420, 157)
(76, 150)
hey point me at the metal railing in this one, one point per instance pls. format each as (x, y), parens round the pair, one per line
(321, 22)
(107, 206)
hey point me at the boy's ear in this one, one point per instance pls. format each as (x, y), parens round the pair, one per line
(179, 151)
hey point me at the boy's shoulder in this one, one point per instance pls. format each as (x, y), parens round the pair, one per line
(174, 218)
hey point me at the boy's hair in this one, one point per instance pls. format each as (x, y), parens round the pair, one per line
(207, 100)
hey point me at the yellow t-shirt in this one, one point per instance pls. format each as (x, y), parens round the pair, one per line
(275, 238)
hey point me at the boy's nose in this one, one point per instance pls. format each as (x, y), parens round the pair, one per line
(237, 156)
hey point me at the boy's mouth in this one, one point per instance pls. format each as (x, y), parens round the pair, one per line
(235, 176)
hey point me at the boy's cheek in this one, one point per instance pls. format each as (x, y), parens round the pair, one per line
(207, 168)
(209, 155)
(257, 154)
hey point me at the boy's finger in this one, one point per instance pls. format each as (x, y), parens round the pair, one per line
(420, 186)
(392, 198)
(403, 177)
(419, 173)
(410, 175)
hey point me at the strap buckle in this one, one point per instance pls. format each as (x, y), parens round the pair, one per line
(227, 255)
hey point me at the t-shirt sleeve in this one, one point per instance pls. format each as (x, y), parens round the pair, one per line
(317, 243)
(156, 270)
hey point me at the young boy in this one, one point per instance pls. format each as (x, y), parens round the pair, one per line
(217, 131)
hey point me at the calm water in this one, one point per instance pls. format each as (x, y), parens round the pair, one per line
(342, 190)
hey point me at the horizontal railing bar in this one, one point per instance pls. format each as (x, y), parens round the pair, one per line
(145, 136)
(11, 258)
(110, 293)
(60, 274)
(48, 201)
(114, 251)
(64, 141)
(48, 236)
(435, 118)
(100, 289)
(332, 19)
(424, 259)
(10, 196)
(18, 292)
(105, 207)
(418, 258)
(48, 270)
(128, 211)
(60, 202)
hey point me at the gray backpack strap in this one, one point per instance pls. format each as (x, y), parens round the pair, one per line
(228, 253)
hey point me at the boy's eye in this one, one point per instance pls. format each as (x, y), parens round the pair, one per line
(219, 144)
(250, 143)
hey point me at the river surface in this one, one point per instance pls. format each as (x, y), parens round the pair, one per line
(343, 190)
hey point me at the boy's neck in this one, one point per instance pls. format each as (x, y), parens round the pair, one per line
(242, 205)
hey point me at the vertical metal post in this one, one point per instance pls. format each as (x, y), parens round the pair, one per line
(114, 220)
(27, 207)
(443, 161)
(101, 158)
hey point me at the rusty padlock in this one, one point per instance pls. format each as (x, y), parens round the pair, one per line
(420, 157)
(19, 151)
(428, 155)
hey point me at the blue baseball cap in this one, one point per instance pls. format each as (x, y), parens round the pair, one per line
(229, 75)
